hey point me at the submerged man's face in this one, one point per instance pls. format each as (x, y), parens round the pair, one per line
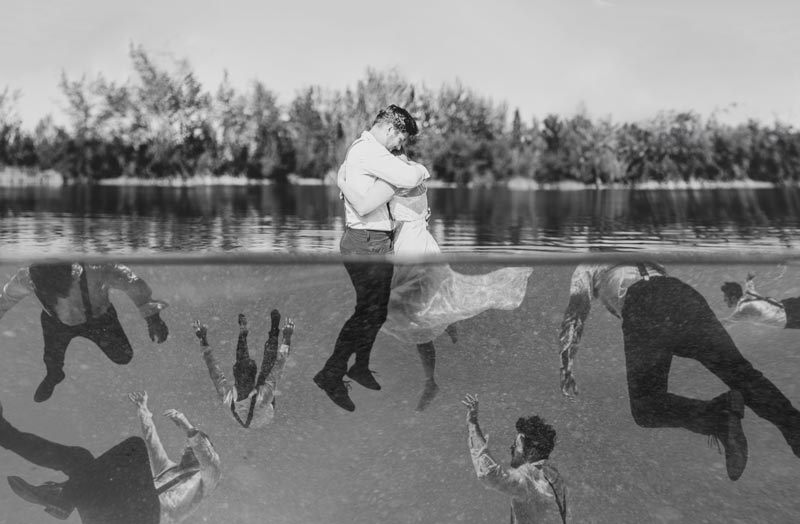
(517, 453)
(729, 300)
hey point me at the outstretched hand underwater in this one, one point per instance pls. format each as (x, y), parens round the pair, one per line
(472, 408)
(157, 328)
(569, 387)
(178, 418)
(288, 330)
(139, 399)
(201, 331)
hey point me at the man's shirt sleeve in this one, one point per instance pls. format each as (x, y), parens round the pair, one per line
(266, 392)
(216, 373)
(580, 297)
(19, 287)
(380, 163)
(121, 277)
(159, 460)
(207, 457)
(490, 473)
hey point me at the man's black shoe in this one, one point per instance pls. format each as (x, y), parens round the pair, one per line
(732, 437)
(364, 376)
(49, 495)
(336, 389)
(793, 440)
(45, 390)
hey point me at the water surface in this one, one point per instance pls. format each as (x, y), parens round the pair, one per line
(104, 219)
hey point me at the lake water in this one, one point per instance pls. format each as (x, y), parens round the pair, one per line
(387, 463)
(309, 218)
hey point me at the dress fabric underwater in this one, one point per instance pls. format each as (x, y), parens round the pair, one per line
(426, 299)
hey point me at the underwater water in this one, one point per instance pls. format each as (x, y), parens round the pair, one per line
(386, 462)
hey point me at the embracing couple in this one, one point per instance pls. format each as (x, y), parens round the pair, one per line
(386, 212)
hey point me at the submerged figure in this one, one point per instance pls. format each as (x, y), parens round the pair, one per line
(369, 233)
(758, 309)
(75, 303)
(132, 483)
(537, 490)
(180, 486)
(252, 399)
(664, 317)
(426, 300)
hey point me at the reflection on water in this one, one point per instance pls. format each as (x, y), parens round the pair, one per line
(386, 462)
(309, 218)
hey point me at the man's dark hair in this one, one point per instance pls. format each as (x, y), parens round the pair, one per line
(398, 118)
(732, 289)
(537, 436)
(51, 280)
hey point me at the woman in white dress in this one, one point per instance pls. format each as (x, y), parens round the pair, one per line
(427, 299)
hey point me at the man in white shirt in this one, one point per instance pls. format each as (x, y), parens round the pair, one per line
(369, 232)
(75, 303)
(537, 490)
(115, 488)
(750, 306)
(181, 486)
(134, 482)
(251, 398)
(663, 317)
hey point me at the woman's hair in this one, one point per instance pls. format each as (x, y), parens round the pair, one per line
(536, 435)
(732, 289)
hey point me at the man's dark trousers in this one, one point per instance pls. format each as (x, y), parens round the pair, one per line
(664, 317)
(114, 488)
(373, 285)
(104, 330)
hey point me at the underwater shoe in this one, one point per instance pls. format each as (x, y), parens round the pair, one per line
(731, 436)
(364, 376)
(45, 390)
(50, 495)
(336, 389)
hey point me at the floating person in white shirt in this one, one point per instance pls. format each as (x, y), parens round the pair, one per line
(183, 485)
(251, 401)
(75, 303)
(537, 490)
(426, 300)
(134, 482)
(753, 307)
(663, 317)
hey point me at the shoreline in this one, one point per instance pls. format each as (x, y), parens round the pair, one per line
(16, 177)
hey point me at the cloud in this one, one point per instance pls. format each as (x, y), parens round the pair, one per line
(603, 3)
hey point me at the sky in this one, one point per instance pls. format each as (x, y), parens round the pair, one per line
(623, 59)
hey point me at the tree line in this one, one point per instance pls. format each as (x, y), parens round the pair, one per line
(163, 123)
